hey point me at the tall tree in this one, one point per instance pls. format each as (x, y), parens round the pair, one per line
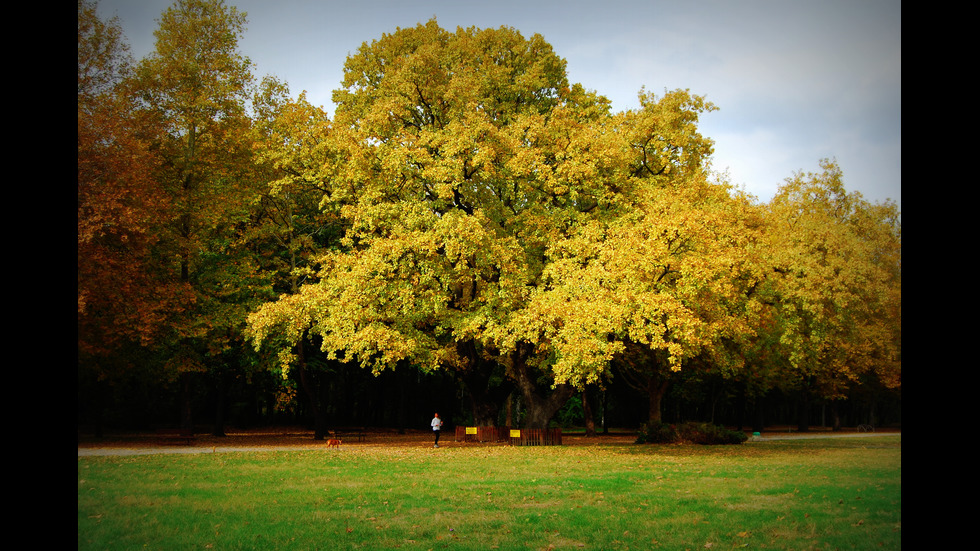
(125, 301)
(195, 85)
(836, 262)
(453, 145)
(661, 288)
(500, 217)
(294, 155)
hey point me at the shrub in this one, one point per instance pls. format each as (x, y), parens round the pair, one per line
(690, 432)
(659, 433)
(708, 434)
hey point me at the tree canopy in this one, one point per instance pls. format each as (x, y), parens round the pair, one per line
(837, 275)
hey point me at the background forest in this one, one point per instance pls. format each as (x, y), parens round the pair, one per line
(470, 234)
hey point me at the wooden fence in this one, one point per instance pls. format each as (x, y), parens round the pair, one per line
(481, 434)
(514, 437)
(535, 437)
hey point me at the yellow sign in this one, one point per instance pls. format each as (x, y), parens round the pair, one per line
(515, 433)
(470, 430)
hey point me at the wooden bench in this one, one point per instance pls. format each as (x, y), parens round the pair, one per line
(350, 433)
(166, 437)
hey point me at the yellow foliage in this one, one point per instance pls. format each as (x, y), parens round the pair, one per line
(486, 200)
(837, 260)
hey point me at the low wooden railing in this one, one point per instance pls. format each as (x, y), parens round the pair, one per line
(481, 434)
(514, 437)
(535, 437)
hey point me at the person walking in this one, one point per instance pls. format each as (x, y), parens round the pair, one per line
(436, 425)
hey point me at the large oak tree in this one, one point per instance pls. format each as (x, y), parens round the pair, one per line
(451, 141)
(475, 175)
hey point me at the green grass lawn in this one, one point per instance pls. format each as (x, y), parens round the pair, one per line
(794, 494)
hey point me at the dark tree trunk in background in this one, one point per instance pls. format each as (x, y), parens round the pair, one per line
(647, 373)
(587, 412)
(98, 408)
(656, 389)
(186, 402)
(405, 380)
(740, 402)
(758, 420)
(835, 415)
(221, 403)
(309, 389)
(804, 412)
(604, 400)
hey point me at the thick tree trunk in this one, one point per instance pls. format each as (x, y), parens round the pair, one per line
(656, 389)
(587, 413)
(541, 409)
(542, 404)
(835, 415)
(477, 378)
(484, 412)
(646, 373)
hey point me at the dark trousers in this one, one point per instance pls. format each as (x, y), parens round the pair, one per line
(437, 435)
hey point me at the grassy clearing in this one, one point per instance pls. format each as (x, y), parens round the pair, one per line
(806, 494)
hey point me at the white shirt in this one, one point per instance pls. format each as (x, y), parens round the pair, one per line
(436, 423)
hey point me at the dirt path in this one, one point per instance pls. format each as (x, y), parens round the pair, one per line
(301, 439)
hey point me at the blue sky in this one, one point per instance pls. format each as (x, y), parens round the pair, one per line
(795, 80)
